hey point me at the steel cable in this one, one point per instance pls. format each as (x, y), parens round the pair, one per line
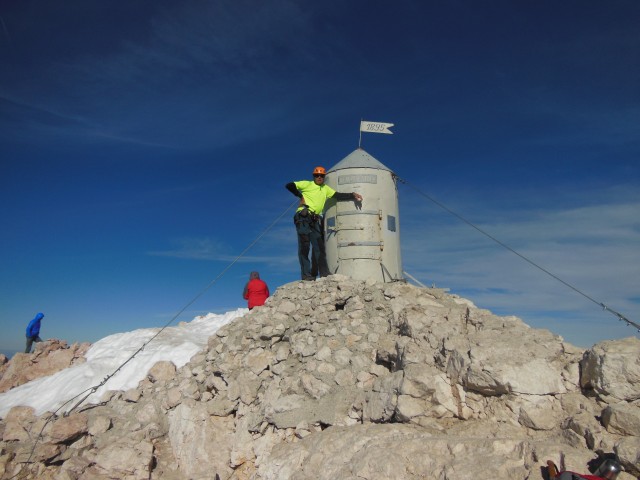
(531, 262)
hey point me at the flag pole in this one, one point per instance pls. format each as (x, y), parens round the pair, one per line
(374, 127)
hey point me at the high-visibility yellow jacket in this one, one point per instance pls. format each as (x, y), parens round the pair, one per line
(315, 196)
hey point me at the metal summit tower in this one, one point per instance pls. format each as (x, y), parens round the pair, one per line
(363, 241)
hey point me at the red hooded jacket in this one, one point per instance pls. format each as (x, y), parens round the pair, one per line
(256, 291)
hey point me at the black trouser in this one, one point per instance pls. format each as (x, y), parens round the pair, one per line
(311, 237)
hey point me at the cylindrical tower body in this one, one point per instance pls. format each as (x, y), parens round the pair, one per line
(363, 241)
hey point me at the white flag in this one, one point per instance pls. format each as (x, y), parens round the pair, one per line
(376, 127)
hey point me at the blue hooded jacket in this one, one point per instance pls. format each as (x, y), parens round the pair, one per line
(33, 329)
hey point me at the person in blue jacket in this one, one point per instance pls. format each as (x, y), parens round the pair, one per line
(33, 331)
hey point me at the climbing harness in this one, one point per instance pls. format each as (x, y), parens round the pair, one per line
(460, 217)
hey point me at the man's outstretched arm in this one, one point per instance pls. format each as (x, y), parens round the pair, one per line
(348, 196)
(291, 186)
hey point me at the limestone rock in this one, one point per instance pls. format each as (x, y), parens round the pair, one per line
(383, 451)
(612, 368)
(622, 418)
(346, 379)
(125, 458)
(628, 451)
(67, 429)
(162, 371)
(98, 425)
(200, 444)
(17, 424)
(519, 363)
(3, 363)
(48, 357)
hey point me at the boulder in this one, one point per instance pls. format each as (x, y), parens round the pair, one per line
(48, 357)
(612, 369)
(68, 429)
(162, 371)
(622, 418)
(18, 424)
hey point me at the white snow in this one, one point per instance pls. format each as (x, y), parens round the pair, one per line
(177, 344)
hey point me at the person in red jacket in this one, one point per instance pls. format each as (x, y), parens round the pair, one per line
(256, 291)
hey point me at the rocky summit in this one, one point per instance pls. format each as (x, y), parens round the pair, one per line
(342, 379)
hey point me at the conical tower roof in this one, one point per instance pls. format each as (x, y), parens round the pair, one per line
(359, 159)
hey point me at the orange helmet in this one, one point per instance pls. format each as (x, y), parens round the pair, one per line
(319, 171)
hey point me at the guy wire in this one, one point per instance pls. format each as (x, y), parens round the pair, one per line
(502, 244)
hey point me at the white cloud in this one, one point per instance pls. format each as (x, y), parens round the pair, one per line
(592, 248)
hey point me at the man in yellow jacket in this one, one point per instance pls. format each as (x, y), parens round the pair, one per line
(313, 195)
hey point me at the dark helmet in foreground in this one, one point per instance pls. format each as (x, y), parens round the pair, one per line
(609, 469)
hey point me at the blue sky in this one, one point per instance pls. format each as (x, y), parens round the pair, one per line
(144, 145)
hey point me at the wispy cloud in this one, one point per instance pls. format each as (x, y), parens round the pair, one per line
(593, 249)
(213, 250)
(190, 81)
(196, 249)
